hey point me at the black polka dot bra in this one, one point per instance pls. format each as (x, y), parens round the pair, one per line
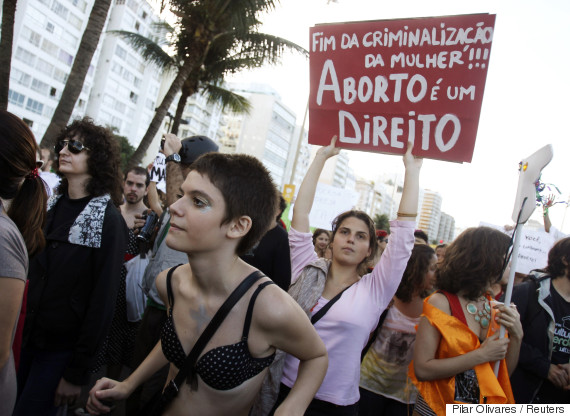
(222, 368)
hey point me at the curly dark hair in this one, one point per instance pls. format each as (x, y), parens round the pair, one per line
(247, 188)
(559, 259)
(473, 261)
(414, 275)
(364, 217)
(103, 163)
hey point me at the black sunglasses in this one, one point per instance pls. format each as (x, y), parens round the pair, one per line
(74, 146)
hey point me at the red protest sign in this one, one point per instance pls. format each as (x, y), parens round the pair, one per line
(378, 84)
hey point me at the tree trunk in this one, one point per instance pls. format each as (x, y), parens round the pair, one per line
(6, 40)
(160, 113)
(180, 110)
(74, 84)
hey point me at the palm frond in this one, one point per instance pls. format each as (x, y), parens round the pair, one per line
(149, 50)
(227, 99)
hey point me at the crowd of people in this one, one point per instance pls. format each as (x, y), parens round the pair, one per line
(190, 297)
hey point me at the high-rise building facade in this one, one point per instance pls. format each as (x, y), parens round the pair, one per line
(446, 229)
(430, 214)
(120, 89)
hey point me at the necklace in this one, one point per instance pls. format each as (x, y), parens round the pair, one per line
(483, 315)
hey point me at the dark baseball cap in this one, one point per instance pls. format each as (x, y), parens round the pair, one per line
(195, 146)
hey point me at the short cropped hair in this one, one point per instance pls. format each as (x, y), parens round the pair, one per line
(247, 189)
(137, 170)
(103, 161)
(414, 275)
(364, 217)
(473, 261)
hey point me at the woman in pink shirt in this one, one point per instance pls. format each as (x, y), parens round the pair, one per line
(345, 328)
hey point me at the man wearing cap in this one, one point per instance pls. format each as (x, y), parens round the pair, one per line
(179, 155)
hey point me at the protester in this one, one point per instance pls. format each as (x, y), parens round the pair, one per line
(162, 258)
(457, 334)
(321, 239)
(22, 215)
(49, 177)
(346, 326)
(420, 237)
(384, 386)
(548, 227)
(440, 252)
(543, 371)
(226, 204)
(272, 255)
(73, 281)
(119, 346)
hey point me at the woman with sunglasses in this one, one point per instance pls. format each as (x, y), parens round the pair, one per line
(22, 214)
(74, 280)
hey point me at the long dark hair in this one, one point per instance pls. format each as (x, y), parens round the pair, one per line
(18, 163)
(103, 163)
(414, 275)
(473, 261)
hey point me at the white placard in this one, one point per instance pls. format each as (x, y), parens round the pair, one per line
(533, 250)
(329, 202)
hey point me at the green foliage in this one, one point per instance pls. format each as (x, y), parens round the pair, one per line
(382, 222)
(126, 149)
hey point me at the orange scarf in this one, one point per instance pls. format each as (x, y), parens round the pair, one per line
(457, 339)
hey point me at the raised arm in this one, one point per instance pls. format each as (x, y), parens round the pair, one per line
(174, 176)
(306, 195)
(408, 209)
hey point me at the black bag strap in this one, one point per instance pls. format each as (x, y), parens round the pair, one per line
(187, 370)
(315, 318)
(374, 333)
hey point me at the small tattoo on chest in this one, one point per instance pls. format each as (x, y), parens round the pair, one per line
(201, 317)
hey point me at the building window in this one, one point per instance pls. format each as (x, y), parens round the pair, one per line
(75, 21)
(50, 48)
(44, 67)
(34, 106)
(120, 52)
(53, 92)
(60, 75)
(32, 37)
(65, 57)
(16, 98)
(29, 122)
(137, 26)
(59, 9)
(39, 86)
(20, 77)
(25, 56)
(134, 97)
(50, 27)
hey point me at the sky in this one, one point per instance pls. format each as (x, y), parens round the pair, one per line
(526, 101)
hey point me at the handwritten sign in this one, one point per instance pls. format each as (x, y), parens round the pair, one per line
(380, 84)
(533, 249)
(328, 203)
(158, 172)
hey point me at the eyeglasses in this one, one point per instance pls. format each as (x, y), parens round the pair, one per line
(74, 146)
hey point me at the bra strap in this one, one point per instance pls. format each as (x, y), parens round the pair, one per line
(456, 309)
(169, 286)
(247, 322)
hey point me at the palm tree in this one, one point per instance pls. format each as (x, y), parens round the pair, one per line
(213, 38)
(74, 84)
(8, 14)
